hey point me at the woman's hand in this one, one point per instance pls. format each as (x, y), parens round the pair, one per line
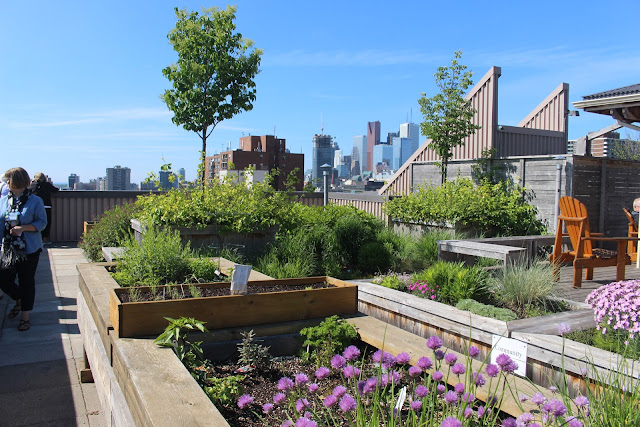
(17, 230)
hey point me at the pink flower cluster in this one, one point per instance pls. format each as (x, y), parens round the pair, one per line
(424, 289)
(617, 304)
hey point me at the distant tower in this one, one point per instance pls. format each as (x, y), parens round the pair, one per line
(323, 152)
(359, 155)
(118, 178)
(412, 132)
(373, 138)
(73, 179)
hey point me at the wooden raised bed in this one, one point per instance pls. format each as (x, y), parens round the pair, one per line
(133, 319)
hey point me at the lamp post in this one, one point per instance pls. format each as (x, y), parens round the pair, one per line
(325, 177)
(560, 160)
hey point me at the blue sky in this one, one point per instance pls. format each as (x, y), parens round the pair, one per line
(80, 81)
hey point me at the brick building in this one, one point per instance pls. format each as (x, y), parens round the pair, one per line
(264, 153)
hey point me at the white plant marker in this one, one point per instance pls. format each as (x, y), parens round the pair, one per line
(239, 279)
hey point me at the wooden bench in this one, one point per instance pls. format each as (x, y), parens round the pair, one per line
(507, 254)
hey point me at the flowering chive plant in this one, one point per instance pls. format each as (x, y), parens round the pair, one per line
(386, 390)
(422, 289)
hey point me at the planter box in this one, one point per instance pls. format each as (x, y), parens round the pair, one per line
(88, 225)
(133, 319)
(418, 229)
(250, 244)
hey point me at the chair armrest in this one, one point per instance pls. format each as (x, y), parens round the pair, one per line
(597, 234)
(611, 239)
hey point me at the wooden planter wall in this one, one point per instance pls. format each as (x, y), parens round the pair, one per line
(459, 329)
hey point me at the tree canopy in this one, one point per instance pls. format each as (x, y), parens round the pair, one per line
(447, 115)
(213, 79)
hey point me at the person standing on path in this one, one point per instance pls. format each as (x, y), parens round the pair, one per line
(43, 189)
(22, 218)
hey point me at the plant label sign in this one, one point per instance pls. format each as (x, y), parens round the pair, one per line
(239, 279)
(515, 349)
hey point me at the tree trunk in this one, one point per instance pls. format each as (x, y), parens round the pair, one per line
(203, 156)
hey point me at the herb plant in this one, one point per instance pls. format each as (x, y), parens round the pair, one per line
(251, 353)
(332, 335)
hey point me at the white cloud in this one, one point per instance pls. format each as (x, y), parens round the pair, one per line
(364, 58)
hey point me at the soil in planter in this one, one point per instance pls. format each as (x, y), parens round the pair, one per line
(183, 292)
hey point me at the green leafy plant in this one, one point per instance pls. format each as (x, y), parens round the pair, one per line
(224, 390)
(158, 260)
(175, 336)
(486, 310)
(373, 257)
(203, 270)
(112, 229)
(251, 353)
(391, 280)
(331, 336)
(489, 208)
(453, 281)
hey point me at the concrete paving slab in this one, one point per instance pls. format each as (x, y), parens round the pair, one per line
(53, 404)
(33, 376)
(34, 352)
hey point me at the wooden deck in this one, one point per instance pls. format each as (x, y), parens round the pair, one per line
(601, 276)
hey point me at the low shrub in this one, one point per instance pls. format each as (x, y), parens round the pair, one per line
(453, 281)
(391, 280)
(521, 288)
(374, 257)
(331, 336)
(497, 208)
(202, 270)
(486, 310)
(112, 229)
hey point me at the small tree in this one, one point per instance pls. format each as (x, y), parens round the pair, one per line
(628, 149)
(447, 116)
(213, 78)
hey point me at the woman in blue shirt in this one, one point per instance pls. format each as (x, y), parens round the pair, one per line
(22, 218)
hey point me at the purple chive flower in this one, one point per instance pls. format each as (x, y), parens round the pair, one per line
(523, 398)
(425, 363)
(553, 389)
(437, 376)
(421, 391)
(339, 390)
(330, 400)
(301, 404)
(451, 422)
(492, 370)
(350, 371)
(458, 369)
(450, 358)
(370, 385)
(416, 405)
(244, 400)
(538, 399)
(403, 358)
(285, 384)
(305, 422)
(388, 359)
(313, 387)
(267, 408)
(351, 353)
(438, 354)
(492, 400)
(503, 360)
(287, 423)
(459, 388)
(510, 367)
(322, 373)
(474, 351)
(525, 418)
(377, 356)
(451, 397)
(440, 388)
(415, 371)
(434, 342)
(468, 413)
(581, 401)
(338, 362)
(468, 398)
(279, 398)
(575, 423)
(563, 328)
(509, 422)
(478, 379)
(481, 411)
(556, 407)
(301, 379)
(347, 403)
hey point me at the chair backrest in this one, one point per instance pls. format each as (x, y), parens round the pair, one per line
(633, 231)
(576, 220)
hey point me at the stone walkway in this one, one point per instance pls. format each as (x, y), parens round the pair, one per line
(39, 369)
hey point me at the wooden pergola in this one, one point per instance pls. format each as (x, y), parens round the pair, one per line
(622, 104)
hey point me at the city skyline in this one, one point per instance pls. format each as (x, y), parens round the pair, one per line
(81, 84)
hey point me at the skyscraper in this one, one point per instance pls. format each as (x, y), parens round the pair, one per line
(323, 149)
(402, 150)
(165, 180)
(73, 179)
(118, 178)
(359, 155)
(412, 132)
(373, 138)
